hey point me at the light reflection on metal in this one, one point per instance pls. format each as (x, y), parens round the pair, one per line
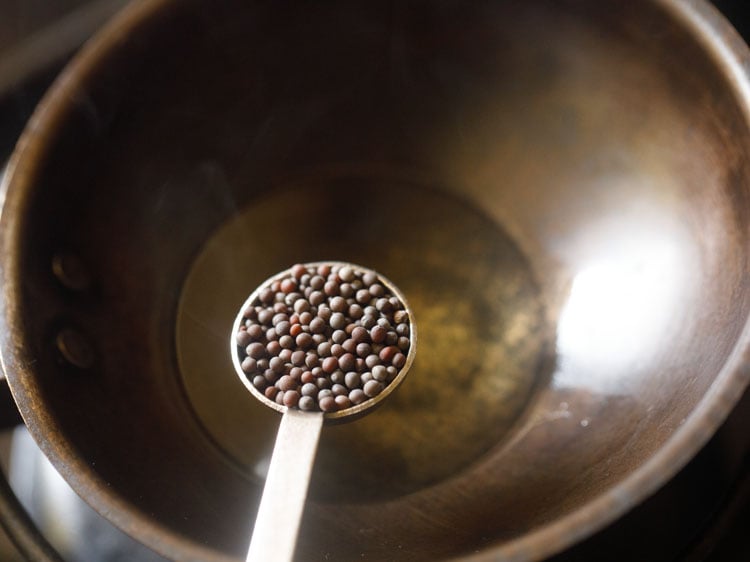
(622, 308)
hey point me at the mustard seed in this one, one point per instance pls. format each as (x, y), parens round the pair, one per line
(359, 334)
(265, 316)
(288, 285)
(303, 340)
(277, 364)
(324, 349)
(387, 353)
(243, 338)
(327, 404)
(324, 313)
(311, 360)
(317, 325)
(352, 379)
(298, 270)
(350, 346)
(301, 305)
(331, 288)
(298, 358)
(291, 397)
(256, 350)
(338, 304)
(373, 388)
(286, 383)
(248, 365)
(309, 389)
(377, 334)
(343, 402)
(347, 362)
(357, 396)
(287, 342)
(376, 290)
(267, 295)
(399, 360)
(337, 321)
(379, 373)
(346, 290)
(279, 317)
(255, 331)
(346, 273)
(330, 364)
(306, 403)
(363, 296)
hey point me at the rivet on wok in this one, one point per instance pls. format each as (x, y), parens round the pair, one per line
(71, 271)
(75, 348)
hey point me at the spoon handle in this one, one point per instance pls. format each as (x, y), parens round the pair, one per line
(283, 500)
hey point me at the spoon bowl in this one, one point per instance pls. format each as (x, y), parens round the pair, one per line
(355, 410)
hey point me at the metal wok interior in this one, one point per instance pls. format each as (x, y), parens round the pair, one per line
(560, 189)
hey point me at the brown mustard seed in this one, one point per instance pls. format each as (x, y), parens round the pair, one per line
(243, 338)
(256, 350)
(330, 364)
(291, 397)
(327, 404)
